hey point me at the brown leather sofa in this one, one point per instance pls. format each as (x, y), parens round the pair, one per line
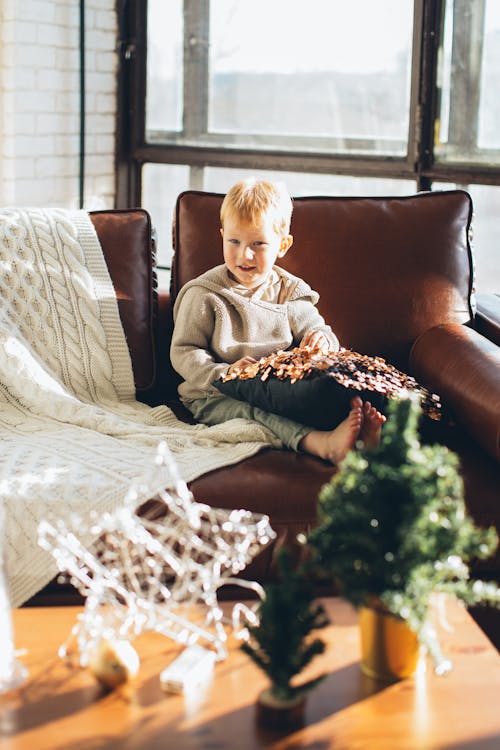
(395, 279)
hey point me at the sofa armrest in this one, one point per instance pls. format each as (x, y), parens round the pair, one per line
(463, 367)
(487, 319)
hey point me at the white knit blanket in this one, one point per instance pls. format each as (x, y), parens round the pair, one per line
(72, 434)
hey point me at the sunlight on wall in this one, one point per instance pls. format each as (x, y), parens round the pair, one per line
(39, 103)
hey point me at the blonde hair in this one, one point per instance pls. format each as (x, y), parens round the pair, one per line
(252, 199)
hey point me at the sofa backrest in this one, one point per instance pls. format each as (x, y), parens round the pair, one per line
(126, 240)
(386, 269)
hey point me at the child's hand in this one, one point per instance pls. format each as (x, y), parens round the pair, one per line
(316, 339)
(241, 363)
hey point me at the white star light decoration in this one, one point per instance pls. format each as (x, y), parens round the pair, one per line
(160, 570)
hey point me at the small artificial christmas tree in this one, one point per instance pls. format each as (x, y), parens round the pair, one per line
(393, 526)
(280, 643)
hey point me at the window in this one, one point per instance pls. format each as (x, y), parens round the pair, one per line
(469, 82)
(165, 72)
(255, 77)
(333, 97)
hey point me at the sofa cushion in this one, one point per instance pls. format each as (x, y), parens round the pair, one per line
(386, 269)
(125, 237)
(280, 483)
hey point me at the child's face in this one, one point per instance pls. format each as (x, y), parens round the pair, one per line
(250, 250)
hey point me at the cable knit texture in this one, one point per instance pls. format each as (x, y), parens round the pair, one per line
(73, 435)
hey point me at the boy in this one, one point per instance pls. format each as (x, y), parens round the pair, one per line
(247, 308)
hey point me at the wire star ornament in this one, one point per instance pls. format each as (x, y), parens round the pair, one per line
(157, 563)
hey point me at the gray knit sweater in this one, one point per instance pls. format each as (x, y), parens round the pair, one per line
(215, 326)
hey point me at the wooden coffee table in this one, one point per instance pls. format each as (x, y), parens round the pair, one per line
(62, 707)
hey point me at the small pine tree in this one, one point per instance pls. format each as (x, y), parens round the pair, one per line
(279, 644)
(393, 525)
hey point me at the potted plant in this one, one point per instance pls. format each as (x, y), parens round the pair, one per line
(393, 529)
(281, 644)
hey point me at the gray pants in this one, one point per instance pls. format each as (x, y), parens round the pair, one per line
(217, 409)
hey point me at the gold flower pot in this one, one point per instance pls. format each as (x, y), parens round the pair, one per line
(389, 648)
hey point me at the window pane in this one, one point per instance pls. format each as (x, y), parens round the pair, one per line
(281, 69)
(161, 184)
(489, 106)
(486, 231)
(298, 183)
(486, 200)
(164, 65)
(470, 102)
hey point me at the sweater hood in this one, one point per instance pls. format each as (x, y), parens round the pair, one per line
(216, 279)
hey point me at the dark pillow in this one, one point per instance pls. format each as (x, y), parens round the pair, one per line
(315, 389)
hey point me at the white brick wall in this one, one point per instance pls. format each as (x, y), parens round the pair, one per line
(39, 102)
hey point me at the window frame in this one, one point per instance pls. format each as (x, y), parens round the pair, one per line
(133, 150)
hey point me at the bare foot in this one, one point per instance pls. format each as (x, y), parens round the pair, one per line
(333, 445)
(371, 428)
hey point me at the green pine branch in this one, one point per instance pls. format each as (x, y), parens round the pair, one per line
(281, 644)
(393, 524)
